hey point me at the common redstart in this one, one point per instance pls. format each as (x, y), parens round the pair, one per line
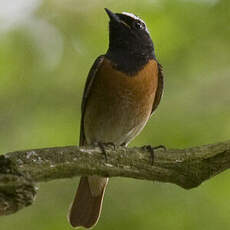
(122, 90)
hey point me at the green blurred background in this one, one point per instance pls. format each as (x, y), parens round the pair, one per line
(46, 50)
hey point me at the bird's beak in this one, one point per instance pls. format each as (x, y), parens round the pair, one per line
(112, 16)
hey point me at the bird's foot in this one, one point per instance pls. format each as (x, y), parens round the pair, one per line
(151, 150)
(102, 146)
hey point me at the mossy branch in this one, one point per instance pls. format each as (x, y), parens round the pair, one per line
(188, 168)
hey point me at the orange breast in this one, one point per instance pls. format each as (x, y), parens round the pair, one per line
(119, 106)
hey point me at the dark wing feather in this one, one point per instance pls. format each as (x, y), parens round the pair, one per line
(88, 84)
(160, 88)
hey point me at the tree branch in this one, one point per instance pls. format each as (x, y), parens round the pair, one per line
(187, 168)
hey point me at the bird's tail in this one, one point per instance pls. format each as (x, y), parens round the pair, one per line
(86, 207)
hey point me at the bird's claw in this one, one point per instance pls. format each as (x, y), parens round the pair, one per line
(102, 146)
(151, 150)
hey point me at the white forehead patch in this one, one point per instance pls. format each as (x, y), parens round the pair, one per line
(136, 18)
(132, 16)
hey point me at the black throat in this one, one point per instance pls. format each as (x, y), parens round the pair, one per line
(127, 62)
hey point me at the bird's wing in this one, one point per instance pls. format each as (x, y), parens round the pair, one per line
(160, 88)
(88, 84)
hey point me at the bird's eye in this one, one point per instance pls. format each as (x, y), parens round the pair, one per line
(139, 25)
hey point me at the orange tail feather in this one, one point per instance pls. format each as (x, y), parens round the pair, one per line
(86, 208)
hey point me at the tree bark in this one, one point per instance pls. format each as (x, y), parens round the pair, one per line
(188, 168)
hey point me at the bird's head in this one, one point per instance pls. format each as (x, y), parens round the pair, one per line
(129, 34)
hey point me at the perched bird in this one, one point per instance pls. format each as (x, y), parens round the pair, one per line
(122, 90)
